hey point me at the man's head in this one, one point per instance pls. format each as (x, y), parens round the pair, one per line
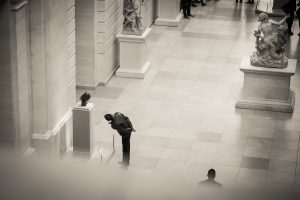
(211, 174)
(108, 117)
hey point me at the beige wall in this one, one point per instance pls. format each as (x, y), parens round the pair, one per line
(6, 100)
(41, 64)
(37, 74)
(97, 24)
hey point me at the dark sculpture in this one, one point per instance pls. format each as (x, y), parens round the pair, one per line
(132, 17)
(85, 97)
(270, 43)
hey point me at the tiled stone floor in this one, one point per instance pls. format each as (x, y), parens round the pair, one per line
(184, 111)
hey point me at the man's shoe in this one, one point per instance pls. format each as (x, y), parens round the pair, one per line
(186, 17)
(248, 2)
(194, 5)
(298, 34)
(203, 4)
(190, 15)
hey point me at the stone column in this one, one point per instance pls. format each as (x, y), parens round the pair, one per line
(53, 77)
(168, 13)
(97, 24)
(15, 78)
(83, 127)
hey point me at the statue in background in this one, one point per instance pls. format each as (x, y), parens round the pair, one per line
(85, 97)
(270, 43)
(132, 24)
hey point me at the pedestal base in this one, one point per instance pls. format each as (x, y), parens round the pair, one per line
(168, 21)
(267, 104)
(134, 73)
(267, 89)
(168, 13)
(133, 55)
(83, 133)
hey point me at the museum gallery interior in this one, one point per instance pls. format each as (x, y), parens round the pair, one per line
(218, 88)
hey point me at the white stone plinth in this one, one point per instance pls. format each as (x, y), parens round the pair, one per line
(267, 88)
(133, 55)
(168, 13)
(83, 131)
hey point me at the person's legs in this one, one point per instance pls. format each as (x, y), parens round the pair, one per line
(189, 2)
(184, 9)
(126, 150)
(299, 24)
(290, 21)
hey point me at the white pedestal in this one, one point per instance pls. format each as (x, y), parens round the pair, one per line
(267, 89)
(83, 131)
(133, 55)
(168, 13)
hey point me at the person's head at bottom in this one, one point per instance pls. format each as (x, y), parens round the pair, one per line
(108, 117)
(211, 174)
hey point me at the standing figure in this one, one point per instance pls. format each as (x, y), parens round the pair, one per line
(289, 9)
(132, 24)
(186, 7)
(298, 15)
(123, 125)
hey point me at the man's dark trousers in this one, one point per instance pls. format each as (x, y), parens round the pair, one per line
(290, 21)
(126, 149)
(187, 8)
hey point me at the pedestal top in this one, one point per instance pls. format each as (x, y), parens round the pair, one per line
(134, 38)
(88, 107)
(290, 70)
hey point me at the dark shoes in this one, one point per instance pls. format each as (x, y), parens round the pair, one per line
(298, 34)
(238, 1)
(250, 2)
(188, 16)
(203, 4)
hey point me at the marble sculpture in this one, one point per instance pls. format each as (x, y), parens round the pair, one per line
(132, 24)
(85, 97)
(270, 42)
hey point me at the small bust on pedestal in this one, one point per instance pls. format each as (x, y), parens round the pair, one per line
(85, 97)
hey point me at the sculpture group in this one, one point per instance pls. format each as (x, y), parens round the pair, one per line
(132, 24)
(270, 42)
